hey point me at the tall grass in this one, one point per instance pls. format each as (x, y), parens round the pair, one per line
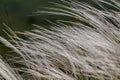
(85, 49)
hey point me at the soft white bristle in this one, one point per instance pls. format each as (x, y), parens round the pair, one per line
(84, 50)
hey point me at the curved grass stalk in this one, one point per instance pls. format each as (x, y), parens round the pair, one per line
(79, 51)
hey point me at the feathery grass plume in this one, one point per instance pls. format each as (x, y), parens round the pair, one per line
(88, 49)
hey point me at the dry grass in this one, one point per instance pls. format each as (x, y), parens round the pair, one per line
(80, 51)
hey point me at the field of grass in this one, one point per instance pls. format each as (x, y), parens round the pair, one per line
(78, 41)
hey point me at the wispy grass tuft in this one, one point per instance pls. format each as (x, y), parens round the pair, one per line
(88, 49)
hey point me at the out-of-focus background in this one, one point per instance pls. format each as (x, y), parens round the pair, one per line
(17, 13)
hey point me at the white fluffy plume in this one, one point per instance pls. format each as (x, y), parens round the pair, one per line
(88, 49)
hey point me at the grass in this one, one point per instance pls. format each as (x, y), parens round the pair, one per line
(84, 49)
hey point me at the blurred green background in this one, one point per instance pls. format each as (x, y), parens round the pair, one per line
(16, 13)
